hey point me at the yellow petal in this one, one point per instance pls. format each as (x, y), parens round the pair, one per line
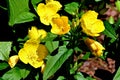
(95, 47)
(48, 11)
(23, 55)
(60, 25)
(90, 24)
(13, 60)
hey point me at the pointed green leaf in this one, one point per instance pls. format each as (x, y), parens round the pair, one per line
(3, 65)
(71, 8)
(109, 31)
(52, 45)
(55, 62)
(19, 12)
(13, 74)
(16, 73)
(117, 75)
(5, 48)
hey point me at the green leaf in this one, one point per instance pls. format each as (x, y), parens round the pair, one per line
(79, 76)
(13, 74)
(117, 3)
(52, 45)
(55, 62)
(117, 75)
(117, 24)
(3, 65)
(19, 12)
(16, 73)
(5, 48)
(109, 31)
(61, 78)
(50, 37)
(35, 2)
(86, 56)
(72, 8)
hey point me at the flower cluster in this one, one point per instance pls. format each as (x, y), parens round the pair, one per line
(34, 53)
(59, 23)
(92, 27)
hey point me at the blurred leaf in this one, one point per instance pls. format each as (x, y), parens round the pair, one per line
(117, 24)
(15, 74)
(61, 78)
(97, 0)
(3, 65)
(5, 48)
(109, 31)
(79, 76)
(19, 12)
(117, 75)
(52, 45)
(86, 56)
(37, 76)
(117, 3)
(35, 2)
(55, 62)
(72, 8)
(111, 20)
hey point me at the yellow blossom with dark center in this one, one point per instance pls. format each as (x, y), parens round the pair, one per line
(48, 11)
(90, 24)
(60, 25)
(95, 47)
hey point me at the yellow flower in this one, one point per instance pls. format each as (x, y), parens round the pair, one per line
(60, 25)
(48, 11)
(36, 34)
(33, 53)
(95, 47)
(13, 60)
(90, 24)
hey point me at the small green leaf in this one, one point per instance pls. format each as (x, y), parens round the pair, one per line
(117, 75)
(5, 48)
(86, 56)
(3, 65)
(61, 78)
(109, 31)
(72, 8)
(19, 12)
(79, 76)
(111, 20)
(52, 45)
(117, 3)
(55, 62)
(16, 73)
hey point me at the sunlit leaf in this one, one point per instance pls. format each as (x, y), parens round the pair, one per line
(55, 62)
(71, 8)
(52, 45)
(117, 75)
(5, 48)
(19, 12)
(16, 73)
